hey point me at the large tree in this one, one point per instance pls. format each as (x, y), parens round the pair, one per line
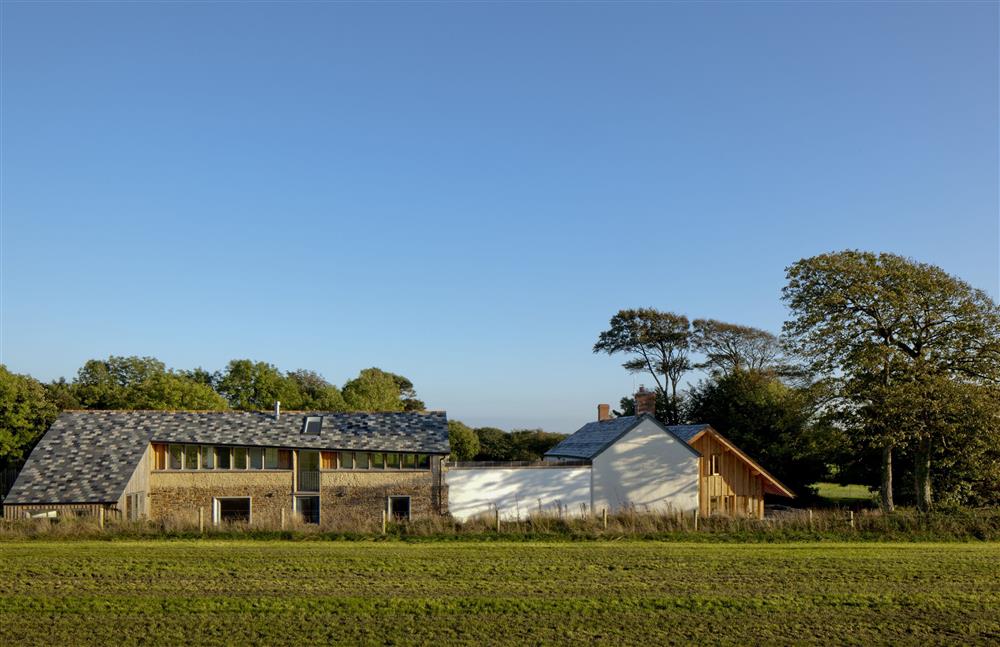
(658, 343)
(463, 440)
(136, 383)
(907, 342)
(373, 390)
(255, 386)
(731, 347)
(25, 414)
(315, 393)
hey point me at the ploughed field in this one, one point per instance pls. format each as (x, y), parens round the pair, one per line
(633, 592)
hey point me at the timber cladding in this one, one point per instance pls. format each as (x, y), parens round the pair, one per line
(729, 485)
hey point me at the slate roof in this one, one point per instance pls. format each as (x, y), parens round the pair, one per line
(594, 437)
(686, 432)
(89, 456)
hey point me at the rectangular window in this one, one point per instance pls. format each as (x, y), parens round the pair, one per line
(223, 458)
(313, 425)
(207, 458)
(423, 461)
(231, 509)
(308, 508)
(271, 458)
(159, 457)
(239, 458)
(346, 460)
(378, 461)
(409, 461)
(361, 460)
(328, 460)
(392, 461)
(176, 457)
(713, 464)
(399, 508)
(256, 458)
(191, 457)
(284, 459)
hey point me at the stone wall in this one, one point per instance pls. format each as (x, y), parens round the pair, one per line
(361, 495)
(178, 495)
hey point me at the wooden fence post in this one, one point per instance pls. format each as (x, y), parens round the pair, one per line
(201, 520)
(498, 519)
(384, 519)
(696, 519)
(100, 517)
(604, 514)
(810, 518)
(850, 517)
(282, 518)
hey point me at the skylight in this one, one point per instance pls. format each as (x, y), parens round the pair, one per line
(313, 425)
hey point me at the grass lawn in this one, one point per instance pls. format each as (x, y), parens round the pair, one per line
(262, 592)
(845, 494)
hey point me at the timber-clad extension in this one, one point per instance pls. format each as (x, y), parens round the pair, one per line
(245, 466)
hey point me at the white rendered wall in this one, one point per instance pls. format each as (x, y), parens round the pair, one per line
(647, 469)
(518, 491)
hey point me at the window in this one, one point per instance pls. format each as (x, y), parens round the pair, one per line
(239, 458)
(714, 504)
(713, 464)
(231, 509)
(409, 461)
(346, 460)
(423, 461)
(191, 457)
(284, 459)
(207, 458)
(256, 458)
(176, 457)
(308, 508)
(271, 458)
(134, 504)
(361, 460)
(159, 457)
(378, 461)
(392, 461)
(223, 458)
(328, 460)
(313, 425)
(399, 508)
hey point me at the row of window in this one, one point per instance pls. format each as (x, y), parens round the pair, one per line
(209, 457)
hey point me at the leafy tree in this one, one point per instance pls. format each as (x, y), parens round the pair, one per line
(25, 414)
(531, 444)
(494, 444)
(464, 442)
(731, 347)
(407, 394)
(373, 390)
(137, 383)
(902, 337)
(256, 386)
(315, 393)
(62, 394)
(658, 343)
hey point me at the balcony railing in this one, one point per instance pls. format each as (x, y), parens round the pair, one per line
(308, 481)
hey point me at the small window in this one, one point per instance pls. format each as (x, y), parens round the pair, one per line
(256, 458)
(346, 460)
(207, 458)
(239, 458)
(223, 458)
(284, 459)
(392, 461)
(713, 464)
(308, 508)
(399, 508)
(313, 425)
(423, 461)
(159, 457)
(378, 461)
(191, 457)
(361, 460)
(176, 457)
(232, 509)
(328, 460)
(409, 461)
(271, 458)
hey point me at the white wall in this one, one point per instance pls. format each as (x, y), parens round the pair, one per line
(517, 491)
(648, 469)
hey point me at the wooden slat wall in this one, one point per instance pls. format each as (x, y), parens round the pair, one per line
(741, 491)
(12, 512)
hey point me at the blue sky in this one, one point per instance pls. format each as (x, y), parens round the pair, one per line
(466, 193)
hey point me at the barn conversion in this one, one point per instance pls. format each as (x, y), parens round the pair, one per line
(235, 465)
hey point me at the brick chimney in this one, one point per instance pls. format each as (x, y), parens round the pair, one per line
(645, 402)
(603, 412)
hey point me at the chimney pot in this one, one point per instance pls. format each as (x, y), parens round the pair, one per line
(603, 412)
(645, 402)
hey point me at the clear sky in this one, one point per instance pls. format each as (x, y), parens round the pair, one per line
(466, 193)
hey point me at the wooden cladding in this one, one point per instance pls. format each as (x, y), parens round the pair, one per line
(729, 485)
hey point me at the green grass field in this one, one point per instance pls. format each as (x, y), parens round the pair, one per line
(633, 592)
(844, 494)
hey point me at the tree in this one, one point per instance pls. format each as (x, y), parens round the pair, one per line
(25, 414)
(731, 347)
(373, 390)
(255, 386)
(494, 444)
(658, 342)
(62, 394)
(315, 393)
(464, 442)
(531, 444)
(900, 335)
(136, 383)
(408, 394)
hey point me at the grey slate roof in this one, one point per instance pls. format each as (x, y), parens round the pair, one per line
(686, 432)
(594, 437)
(89, 456)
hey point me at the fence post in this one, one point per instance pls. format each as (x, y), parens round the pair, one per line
(282, 518)
(201, 520)
(384, 518)
(498, 519)
(810, 518)
(604, 515)
(850, 517)
(100, 517)
(696, 519)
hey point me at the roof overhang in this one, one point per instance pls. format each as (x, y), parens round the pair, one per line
(771, 484)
